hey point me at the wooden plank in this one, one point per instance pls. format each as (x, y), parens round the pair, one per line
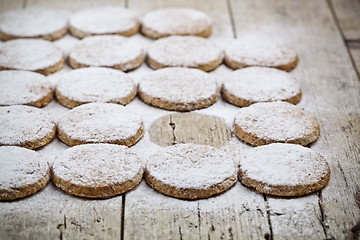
(6, 5)
(238, 213)
(348, 15)
(355, 53)
(330, 91)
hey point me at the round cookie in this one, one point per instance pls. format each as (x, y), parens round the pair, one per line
(250, 85)
(100, 123)
(259, 52)
(107, 51)
(179, 89)
(23, 172)
(31, 54)
(184, 51)
(271, 122)
(104, 20)
(176, 21)
(33, 23)
(97, 170)
(190, 171)
(284, 170)
(25, 126)
(94, 84)
(23, 87)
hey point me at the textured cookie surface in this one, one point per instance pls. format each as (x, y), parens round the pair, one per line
(270, 122)
(100, 123)
(190, 171)
(259, 52)
(23, 87)
(260, 84)
(104, 20)
(97, 170)
(25, 126)
(31, 54)
(94, 84)
(107, 51)
(176, 21)
(180, 89)
(33, 23)
(184, 51)
(22, 172)
(284, 169)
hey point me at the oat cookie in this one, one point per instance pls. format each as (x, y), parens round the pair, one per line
(260, 52)
(271, 122)
(97, 170)
(25, 126)
(23, 172)
(250, 85)
(284, 170)
(107, 51)
(104, 20)
(33, 23)
(23, 87)
(31, 54)
(190, 171)
(184, 51)
(100, 123)
(94, 84)
(179, 89)
(176, 21)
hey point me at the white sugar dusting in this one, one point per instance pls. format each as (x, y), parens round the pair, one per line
(280, 121)
(32, 22)
(259, 51)
(176, 85)
(281, 164)
(104, 20)
(20, 124)
(95, 85)
(20, 167)
(97, 165)
(29, 54)
(98, 122)
(191, 166)
(177, 21)
(260, 84)
(22, 87)
(99, 51)
(184, 51)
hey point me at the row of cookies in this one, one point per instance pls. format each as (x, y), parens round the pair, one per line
(52, 25)
(179, 89)
(186, 171)
(126, 54)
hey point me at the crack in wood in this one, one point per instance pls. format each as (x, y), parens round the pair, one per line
(122, 220)
(268, 236)
(61, 227)
(322, 215)
(172, 125)
(181, 237)
(232, 21)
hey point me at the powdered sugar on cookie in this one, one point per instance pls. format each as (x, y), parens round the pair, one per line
(97, 165)
(179, 86)
(100, 122)
(29, 54)
(96, 85)
(260, 84)
(21, 168)
(184, 51)
(177, 21)
(32, 22)
(22, 124)
(104, 20)
(191, 166)
(22, 87)
(107, 51)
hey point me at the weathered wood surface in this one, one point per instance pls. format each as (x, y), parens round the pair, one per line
(330, 90)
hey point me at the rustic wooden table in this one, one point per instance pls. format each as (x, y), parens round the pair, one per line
(326, 34)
